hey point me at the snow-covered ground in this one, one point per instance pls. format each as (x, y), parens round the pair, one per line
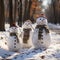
(54, 26)
(52, 53)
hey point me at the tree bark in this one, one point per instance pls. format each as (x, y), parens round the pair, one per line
(54, 11)
(20, 13)
(2, 17)
(14, 10)
(11, 13)
(27, 10)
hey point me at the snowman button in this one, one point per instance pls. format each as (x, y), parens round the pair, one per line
(15, 40)
(14, 46)
(14, 43)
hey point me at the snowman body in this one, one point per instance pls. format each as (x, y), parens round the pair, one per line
(13, 41)
(41, 35)
(27, 34)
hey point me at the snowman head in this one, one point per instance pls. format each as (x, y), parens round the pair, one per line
(13, 29)
(41, 21)
(27, 24)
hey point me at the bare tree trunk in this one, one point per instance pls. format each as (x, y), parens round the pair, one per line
(11, 13)
(25, 11)
(57, 8)
(54, 10)
(14, 10)
(51, 12)
(28, 10)
(20, 13)
(2, 17)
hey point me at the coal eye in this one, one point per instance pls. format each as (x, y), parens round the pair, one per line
(40, 19)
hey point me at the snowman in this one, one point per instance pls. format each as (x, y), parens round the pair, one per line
(41, 34)
(27, 34)
(13, 41)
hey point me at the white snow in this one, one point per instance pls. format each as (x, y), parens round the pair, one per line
(54, 26)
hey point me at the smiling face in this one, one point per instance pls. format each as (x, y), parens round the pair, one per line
(41, 21)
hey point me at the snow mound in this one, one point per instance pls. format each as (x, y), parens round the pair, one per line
(54, 26)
